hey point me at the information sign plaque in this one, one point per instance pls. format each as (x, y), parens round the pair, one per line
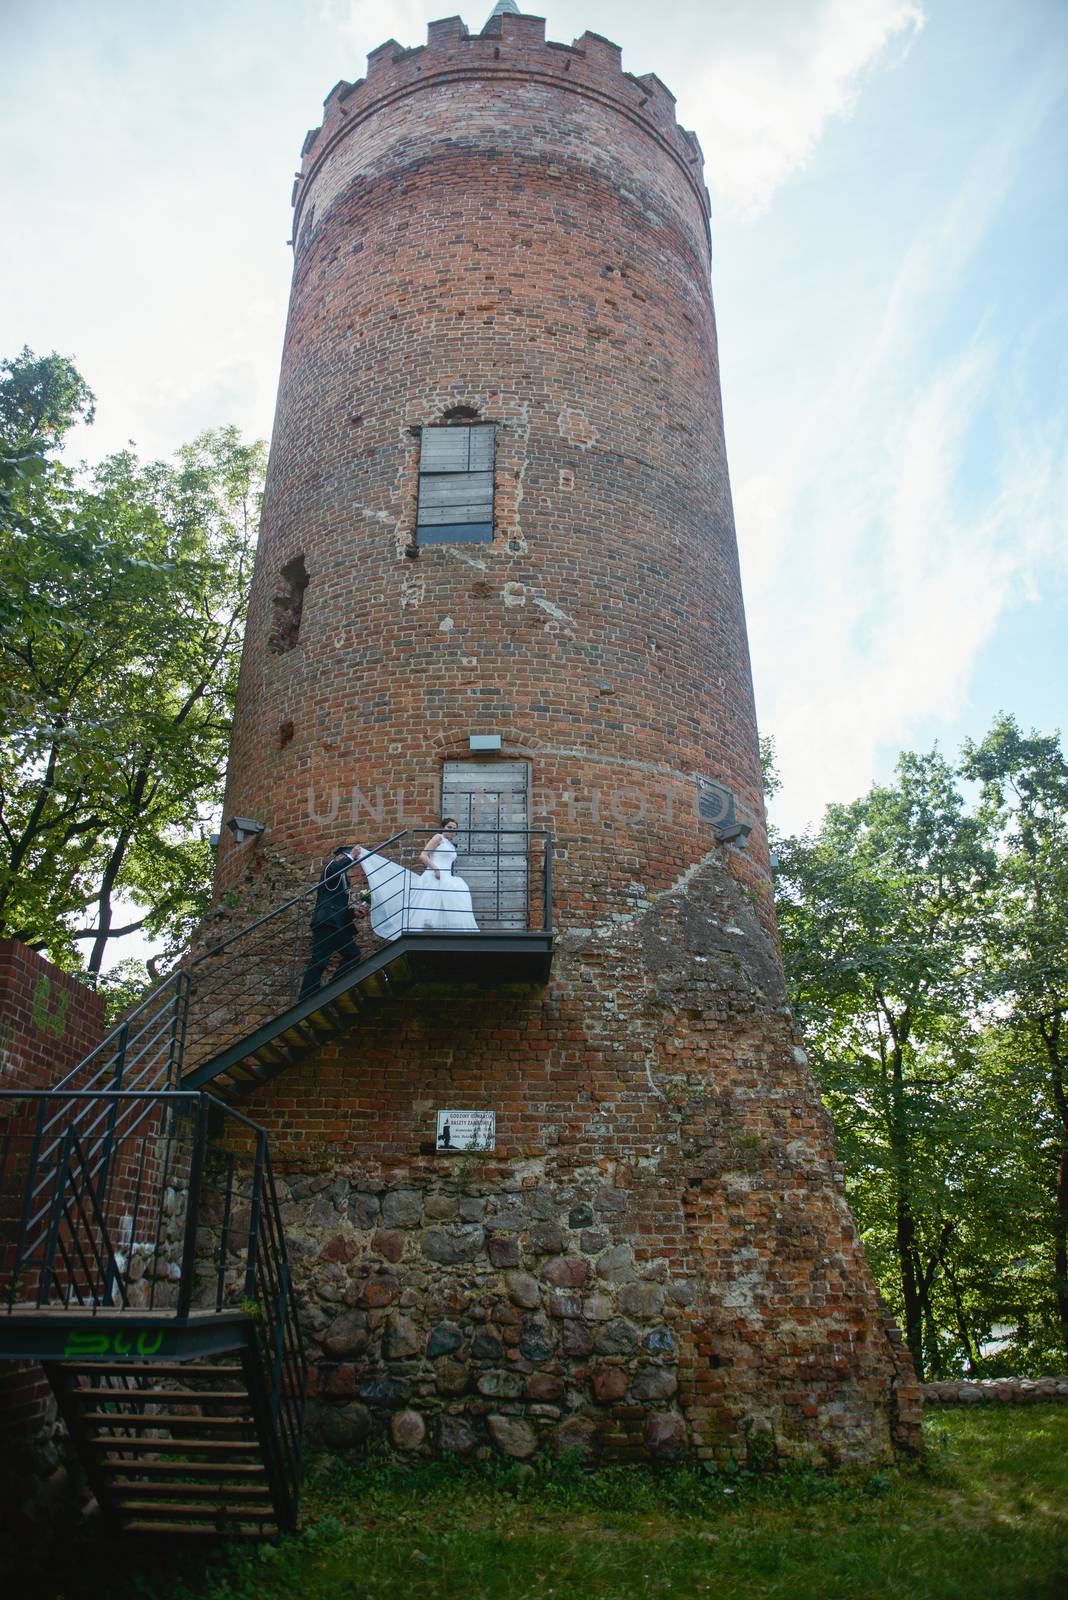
(467, 1130)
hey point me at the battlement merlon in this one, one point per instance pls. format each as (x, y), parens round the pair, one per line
(509, 44)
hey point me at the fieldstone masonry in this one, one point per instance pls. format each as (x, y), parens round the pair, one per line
(996, 1391)
(657, 1261)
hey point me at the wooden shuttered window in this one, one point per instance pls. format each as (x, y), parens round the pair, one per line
(491, 802)
(456, 485)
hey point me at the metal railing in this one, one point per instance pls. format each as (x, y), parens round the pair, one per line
(501, 882)
(111, 1192)
(143, 1053)
(181, 1219)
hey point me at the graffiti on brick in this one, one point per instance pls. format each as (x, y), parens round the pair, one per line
(49, 1016)
(149, 1342)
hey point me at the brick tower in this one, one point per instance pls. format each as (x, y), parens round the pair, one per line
(498, 575)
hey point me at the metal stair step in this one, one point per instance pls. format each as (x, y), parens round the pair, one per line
(318, 1023)
(271, 1072)
(272, 1055)
(243, 1070)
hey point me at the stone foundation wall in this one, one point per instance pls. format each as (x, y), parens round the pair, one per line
(656, 1261)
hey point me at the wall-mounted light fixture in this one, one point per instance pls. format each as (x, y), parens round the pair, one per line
(484, 741)
(734, 833)
(244, 828)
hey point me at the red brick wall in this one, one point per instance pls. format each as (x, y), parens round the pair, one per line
(48, 1019)
(48, 1022)
(526, 233)
(659, 1257)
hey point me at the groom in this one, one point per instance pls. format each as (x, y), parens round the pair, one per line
(333, 925)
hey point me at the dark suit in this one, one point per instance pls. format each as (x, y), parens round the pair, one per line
(332, 923)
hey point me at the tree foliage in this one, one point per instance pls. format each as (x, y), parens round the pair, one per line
(924, 940)
(124, 596)
(1024, 973)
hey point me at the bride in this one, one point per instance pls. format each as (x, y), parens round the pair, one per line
(436, 902)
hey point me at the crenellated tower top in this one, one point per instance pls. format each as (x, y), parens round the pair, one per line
(511, 47)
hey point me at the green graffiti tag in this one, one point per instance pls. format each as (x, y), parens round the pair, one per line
(49, 1018)
(93, 1345)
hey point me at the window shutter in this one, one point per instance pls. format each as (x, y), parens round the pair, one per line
(490, 801)
(455, 485)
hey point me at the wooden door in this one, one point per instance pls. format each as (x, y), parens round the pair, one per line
(491, 802)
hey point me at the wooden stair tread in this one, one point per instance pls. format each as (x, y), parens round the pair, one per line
(115, 1441)
(166, 1369)
(256, 1530)
(182, 1397)
(217, 1469)
(139, 1419)
(241, 1491)
(198, 1508)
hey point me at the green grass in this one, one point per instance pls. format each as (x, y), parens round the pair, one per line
(986, 1518)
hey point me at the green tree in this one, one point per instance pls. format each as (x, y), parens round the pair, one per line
(124, 597)
(1024, 802)
(880, 911)
(40, 399)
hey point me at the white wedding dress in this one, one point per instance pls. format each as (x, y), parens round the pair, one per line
(402, 902)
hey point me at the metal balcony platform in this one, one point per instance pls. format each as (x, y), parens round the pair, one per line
(125, 1335)
(485, 960)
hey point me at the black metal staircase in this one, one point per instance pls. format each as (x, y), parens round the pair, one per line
(144, 1260)
(147, 1271)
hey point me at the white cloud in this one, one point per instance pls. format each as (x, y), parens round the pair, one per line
(764, 103)
(365, 24)
(897, 577)
(920, 494)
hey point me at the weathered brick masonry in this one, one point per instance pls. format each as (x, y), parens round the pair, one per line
(658, 1259)
(48, 1023)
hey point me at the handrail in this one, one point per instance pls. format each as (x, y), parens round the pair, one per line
(122, 1036)
(105, 1164)
(276, 911)
(305, 894)
(153, 1225)
(152, 1039)
(260, 972)
(172, 978)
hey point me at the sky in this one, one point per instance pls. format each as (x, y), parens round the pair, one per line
(889, 183)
